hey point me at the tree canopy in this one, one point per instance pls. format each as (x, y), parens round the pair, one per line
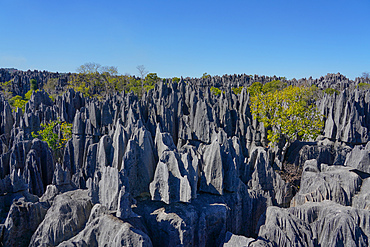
(287, 113)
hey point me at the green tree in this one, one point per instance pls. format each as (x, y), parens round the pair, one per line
(331, 91)
(94, 79)
(33, 85)
(255, 88)
(237, 90)
(288, 114)
(273, 86)
(6, 89)
(150, 80)
(363, 86)
(205, 75)
(18, 101)
(175, 80)
(216, 91)
(55, 134)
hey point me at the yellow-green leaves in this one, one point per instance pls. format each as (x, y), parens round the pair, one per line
(18, 101)
(55, 133)
(287, 113)
(237, 90)
(215, 91)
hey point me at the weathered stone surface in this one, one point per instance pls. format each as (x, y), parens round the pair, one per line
(264, 177)
(201, 122)
(236, 240)
(285, 229)
(317, 224)
(138, 162)
(362, 199)
(170, 182)
(104, 152)
(324, 151)
(163, 142)
(22, 221)
(336, 183)
(359, 158)
(108, 230)
(124, 204)
(186, 225)
(192, 163)
(91, 159)
(212, 180)
(67, 216)
(119, 146)
(109, 187)
(49, 195)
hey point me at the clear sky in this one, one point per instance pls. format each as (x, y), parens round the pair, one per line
(295, 39)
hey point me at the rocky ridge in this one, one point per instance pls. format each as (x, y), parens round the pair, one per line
(181, 166)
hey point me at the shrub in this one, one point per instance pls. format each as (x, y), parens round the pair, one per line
(17, 101)
(288, 113)
(55, 134)
(331, 91)
(33, 84)
(237, 90)
(255, 88)
(363, 86)
(175, 80)
(216, 91)
(273, 86)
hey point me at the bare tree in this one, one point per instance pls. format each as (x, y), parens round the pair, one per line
(365, 75)
(89, 68)
(142, 72)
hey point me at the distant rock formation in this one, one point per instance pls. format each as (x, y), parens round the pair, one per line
(181, 167)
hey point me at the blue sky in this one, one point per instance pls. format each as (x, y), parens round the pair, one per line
(295, 39)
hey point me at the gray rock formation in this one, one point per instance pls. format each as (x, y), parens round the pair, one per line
(316, 224)
(362, 199)
(107, 230)
(22, 221)
(212, 180)
(66, 217)
(181, 166)
(138, 162)
(319, 183)
(359, 158)
(170, 182)
(239, 240)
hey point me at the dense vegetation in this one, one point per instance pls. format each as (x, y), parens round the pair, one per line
(94, 80)
(286, 112)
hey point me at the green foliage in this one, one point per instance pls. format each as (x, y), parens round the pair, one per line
(237, 90)
(255, 88)
(273, 86)
(17, 101)
(55, 133)
(33, 84)
(216, 91)
(28, 95)
(176, 80)
(205, 76)
(6, 89)
(363, 86)
(151, 79)
(94, 80)
(287, 113)
(331, 91)
(50, 85)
